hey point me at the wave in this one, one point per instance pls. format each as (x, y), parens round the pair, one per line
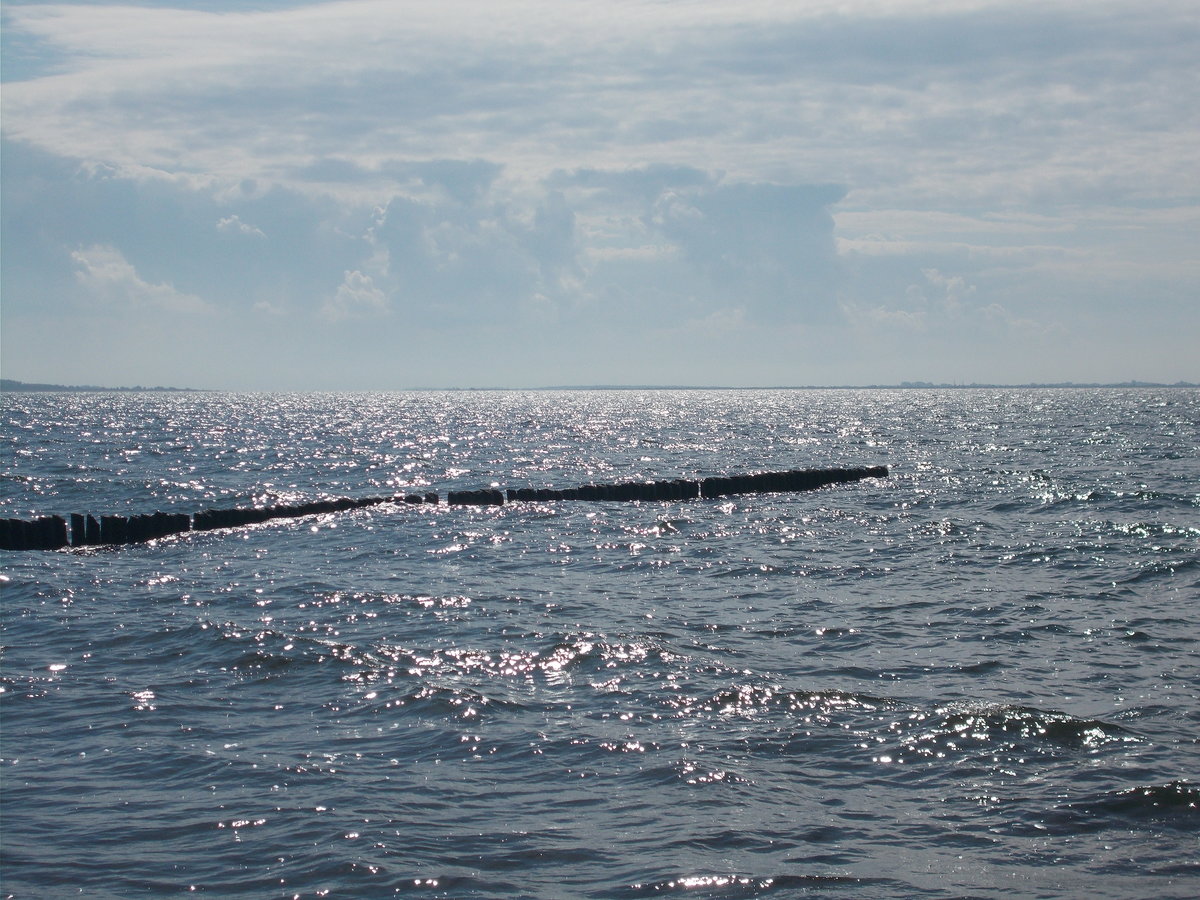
(701, 886)
(1173, 805)
(960, 729)
(749, 700)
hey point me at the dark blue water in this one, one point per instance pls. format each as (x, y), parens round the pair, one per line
(977, 678)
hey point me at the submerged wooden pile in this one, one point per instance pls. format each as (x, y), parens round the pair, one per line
(679, 489)
(52, 532)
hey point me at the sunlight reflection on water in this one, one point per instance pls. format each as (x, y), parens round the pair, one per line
(885, 689)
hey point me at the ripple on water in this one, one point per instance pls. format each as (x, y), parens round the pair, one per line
(899, 688)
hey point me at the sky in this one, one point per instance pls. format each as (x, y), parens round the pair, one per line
(377, 194)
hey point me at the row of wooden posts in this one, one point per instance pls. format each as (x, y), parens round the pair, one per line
(680, 489)
(52, 532)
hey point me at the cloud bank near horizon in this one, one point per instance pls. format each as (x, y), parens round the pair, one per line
(363, 194)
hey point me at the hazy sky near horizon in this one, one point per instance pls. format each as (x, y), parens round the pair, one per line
(382, 194)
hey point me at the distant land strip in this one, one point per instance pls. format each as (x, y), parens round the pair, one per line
(10, 385)
(904, 385)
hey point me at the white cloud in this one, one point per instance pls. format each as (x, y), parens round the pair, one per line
(993, 225)
(950, 102)
(356, 297)
(950, 290)
(943, 304)
(109, 278)
(570, 168)
(234, 225)
(266, 307)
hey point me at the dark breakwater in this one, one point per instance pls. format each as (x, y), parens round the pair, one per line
(51, 532)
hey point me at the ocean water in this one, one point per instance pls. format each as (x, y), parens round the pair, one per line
(979, 677)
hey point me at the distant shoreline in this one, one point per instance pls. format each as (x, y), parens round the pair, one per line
(902, 386)
(10, 385)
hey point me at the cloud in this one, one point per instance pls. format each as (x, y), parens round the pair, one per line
(951, 291)
(918, 99)
(234, 225)
(356, 297)
(944, 304)
(109, 278)
(769, 245)
(647, 244)
(575, 174)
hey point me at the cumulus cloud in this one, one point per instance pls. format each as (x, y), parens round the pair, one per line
(770, 245)
(109, 278)
(943, 304)
(234, 225)
(645, 244)
(950, 291)
(356, 297)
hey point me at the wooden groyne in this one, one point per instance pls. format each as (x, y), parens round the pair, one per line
(53, 532)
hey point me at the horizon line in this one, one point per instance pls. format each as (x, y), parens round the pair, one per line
(12, 385)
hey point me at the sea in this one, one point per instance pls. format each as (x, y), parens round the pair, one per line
(978, 677)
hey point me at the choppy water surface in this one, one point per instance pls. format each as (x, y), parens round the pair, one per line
(977, 678)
